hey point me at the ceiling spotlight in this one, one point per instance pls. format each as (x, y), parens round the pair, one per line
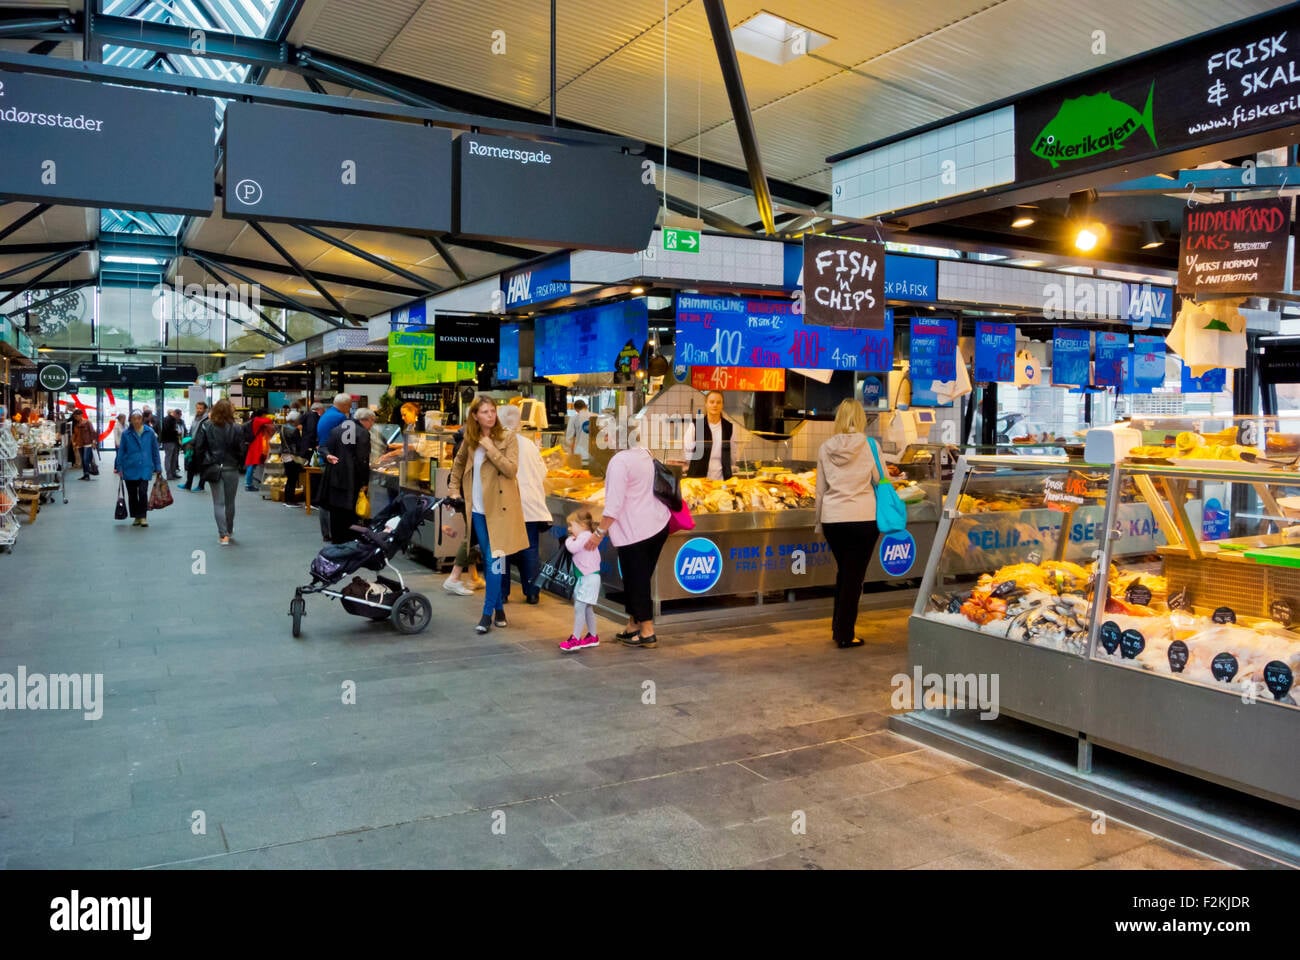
(1022, 217)
(1154, 233)
(1087, 238)
(1081, 202)
(637, 291)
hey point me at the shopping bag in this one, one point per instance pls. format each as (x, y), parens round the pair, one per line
(891, 512)
(120, 512)
(363, 504)
(94, 464)
(667, 488)
(681, 519)
(558, 575)
(160, 496)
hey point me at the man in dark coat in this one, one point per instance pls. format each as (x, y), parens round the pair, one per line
(307, 444)
(347, 472)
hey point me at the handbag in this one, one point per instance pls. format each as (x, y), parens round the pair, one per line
(93, 464)
(681, 519)
(891, 512)
(559, 576)
(120, 512)
(667, 488)
(161, 495)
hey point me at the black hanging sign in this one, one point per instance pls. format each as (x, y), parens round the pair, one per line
(843, 282)
(346, 171)
(1178, 653)
(525, 191)
(1234, 248)
(1138, 593)
(98, 145)
(1110, 636)
(1278, 678)
(1224, 615)
(1224, 667)
(1131, 643)
(473, 339)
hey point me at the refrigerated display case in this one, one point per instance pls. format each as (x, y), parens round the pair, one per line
(759, 530)
(1149, 608)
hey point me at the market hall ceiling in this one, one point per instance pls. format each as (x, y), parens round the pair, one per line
(887, 67)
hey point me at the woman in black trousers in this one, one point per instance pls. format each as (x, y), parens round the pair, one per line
(846, 513)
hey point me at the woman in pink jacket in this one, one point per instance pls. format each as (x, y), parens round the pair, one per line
(846, 513)
(638, 525)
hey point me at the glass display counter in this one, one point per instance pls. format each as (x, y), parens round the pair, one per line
(758, 532)
(422, 464)
(1149, 608)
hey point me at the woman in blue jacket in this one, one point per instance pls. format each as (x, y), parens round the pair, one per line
(138, 460)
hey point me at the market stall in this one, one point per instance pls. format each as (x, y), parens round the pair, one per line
(756, 536)
(1131, 606)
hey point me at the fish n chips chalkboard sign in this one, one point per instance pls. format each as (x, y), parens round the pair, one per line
(844, 282)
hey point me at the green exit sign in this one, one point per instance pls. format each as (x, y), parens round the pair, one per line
(685, 240)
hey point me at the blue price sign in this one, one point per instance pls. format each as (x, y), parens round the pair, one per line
(933, 358)
(1112, 350)
(735, 332)
(995, 352)
(1070, 355)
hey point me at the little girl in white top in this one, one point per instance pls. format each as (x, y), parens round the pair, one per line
(582, 525)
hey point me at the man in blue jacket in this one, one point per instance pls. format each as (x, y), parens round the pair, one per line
(138, 459)
(330, 419)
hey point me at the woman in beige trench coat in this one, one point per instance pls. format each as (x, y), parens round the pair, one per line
(483, 475)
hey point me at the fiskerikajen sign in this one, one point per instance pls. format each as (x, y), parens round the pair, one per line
(1224, 86)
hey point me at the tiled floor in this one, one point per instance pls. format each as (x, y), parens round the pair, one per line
(225, 743)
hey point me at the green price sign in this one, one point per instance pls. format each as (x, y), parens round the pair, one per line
(411, 361)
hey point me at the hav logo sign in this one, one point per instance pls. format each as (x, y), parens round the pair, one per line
(698, 565)
(897, 553)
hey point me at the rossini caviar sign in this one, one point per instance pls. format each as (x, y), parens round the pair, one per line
(1218, 87)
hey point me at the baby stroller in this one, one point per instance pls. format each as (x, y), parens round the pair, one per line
(377, 543)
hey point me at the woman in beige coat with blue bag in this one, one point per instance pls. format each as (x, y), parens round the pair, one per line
(846, 513)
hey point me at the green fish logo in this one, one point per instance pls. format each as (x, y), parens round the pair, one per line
(1089, 125)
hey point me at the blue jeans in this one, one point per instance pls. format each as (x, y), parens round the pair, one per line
(248, 477)
(492, 576)
(528, 560)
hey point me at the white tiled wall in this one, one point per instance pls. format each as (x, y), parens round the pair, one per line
(970, 282)
(474, 298)
(722, 258)
(910, 172)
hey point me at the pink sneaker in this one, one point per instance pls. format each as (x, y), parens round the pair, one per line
(572, 645)
(590, 640)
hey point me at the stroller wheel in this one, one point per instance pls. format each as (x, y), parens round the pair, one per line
(412, 613)
(297, 607)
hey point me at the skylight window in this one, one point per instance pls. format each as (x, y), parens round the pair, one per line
(776, 39)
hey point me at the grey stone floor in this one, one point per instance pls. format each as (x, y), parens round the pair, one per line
(225, 743)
